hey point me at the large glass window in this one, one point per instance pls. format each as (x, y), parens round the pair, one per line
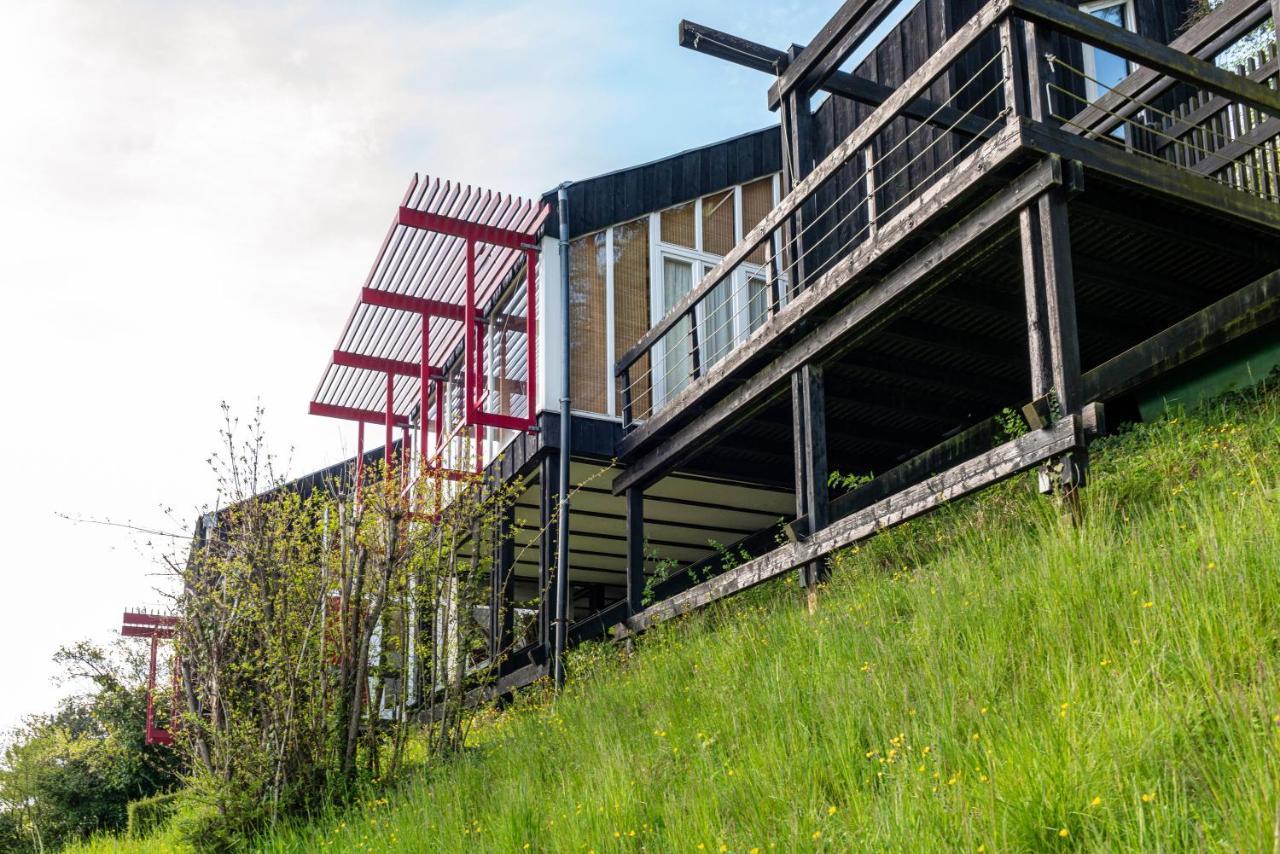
(1104, 70)
(673, 352)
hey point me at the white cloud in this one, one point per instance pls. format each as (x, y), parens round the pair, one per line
(191, 196)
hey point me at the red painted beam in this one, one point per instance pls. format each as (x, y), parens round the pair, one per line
(418, 305)
(347, 359)
(453, 227)
(141, 618)
(371, 416)
(144, 632)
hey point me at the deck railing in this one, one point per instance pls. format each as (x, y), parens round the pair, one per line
(1002, 70)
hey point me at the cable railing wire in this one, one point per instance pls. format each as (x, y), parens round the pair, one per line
(679, 371)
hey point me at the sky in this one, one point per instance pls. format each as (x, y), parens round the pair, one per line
(192, 193)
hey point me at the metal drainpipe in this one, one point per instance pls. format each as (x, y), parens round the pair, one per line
(562, 526)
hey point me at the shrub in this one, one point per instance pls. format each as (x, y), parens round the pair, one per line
(148, 815)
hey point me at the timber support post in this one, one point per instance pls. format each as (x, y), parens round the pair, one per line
(635, 550)
(808, 414)
(797, 161)
(1053, 339)
(502, 594)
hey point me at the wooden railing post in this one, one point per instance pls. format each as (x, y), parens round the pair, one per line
(695, 346)
(775, 286)
(869, 161)
(1039, 103)
(627, 416)
(1009, 68)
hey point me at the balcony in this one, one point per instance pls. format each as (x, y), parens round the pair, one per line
(1174, 167)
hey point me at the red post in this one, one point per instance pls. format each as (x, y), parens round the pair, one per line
(531, 322)
(405, 450)
(391, 426)
(423, 409)
(151, 690)
(469, 336)
(359, 458)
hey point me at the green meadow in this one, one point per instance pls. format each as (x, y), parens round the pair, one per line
(988, 678)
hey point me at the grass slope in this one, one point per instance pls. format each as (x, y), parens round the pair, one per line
(988, 678)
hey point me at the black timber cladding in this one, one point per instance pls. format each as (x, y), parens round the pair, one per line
(615, 197)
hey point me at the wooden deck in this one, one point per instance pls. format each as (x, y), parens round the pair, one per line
(1051, 265)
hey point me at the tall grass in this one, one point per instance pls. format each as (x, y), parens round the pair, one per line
(987, 678)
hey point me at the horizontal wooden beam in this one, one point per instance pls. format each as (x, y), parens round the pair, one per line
(1149, 53)
(772, 61)
(1204, 39)
(1172, 135)
(911, 89)
(991, 467)
(1181, 187)
(860, 317)
(1249, 309)
(1226, 156)
(849, 25)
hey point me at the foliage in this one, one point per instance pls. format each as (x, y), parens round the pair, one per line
(850, 481)
(663, 568)
(149, 815)
(315, 628)
(985, 676)
(70, 774)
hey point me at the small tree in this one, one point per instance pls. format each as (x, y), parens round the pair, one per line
(315, 629)
(72, 773)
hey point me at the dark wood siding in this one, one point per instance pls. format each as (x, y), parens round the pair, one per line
(595, 203)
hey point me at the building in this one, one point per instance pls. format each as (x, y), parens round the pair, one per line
(1013, 205)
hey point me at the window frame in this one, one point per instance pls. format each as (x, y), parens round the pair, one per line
(1092, 90)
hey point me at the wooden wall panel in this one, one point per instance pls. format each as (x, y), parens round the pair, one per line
(588, 381)
(631, 302)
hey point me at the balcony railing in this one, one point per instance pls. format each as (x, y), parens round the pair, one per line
(1000, 75)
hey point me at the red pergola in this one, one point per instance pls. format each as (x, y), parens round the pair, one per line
(423, 315)
(157, 627)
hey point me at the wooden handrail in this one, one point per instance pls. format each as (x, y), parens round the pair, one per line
(1159, 57)
(911, 89)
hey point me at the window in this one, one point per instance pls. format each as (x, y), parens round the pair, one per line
(588, 335)
(672, 356)
(1105, 68)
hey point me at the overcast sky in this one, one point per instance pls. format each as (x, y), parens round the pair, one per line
(191, 194)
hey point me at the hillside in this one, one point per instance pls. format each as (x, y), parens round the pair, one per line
(988, 678)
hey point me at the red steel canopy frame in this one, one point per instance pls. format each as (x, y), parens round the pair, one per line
(449, 252)
(158, 627)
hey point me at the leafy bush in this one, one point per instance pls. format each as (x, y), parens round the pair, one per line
(148, 815)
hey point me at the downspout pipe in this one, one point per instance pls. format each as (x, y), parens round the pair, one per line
(562, 520)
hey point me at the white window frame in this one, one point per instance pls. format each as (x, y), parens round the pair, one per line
(1091, 90)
